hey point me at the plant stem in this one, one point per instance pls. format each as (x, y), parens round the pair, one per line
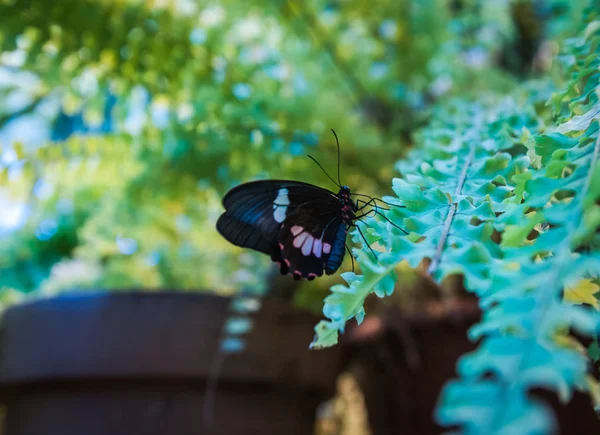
(5, 119)
(358, 90)
(437, 258)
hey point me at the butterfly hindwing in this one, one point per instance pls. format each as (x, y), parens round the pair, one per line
(306, 240)
(295, 223)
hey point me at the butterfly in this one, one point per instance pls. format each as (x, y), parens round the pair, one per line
(302, 227)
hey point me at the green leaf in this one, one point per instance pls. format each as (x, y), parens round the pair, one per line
(326, 335)
(516, 235)
(594, 351)
(584, 292)
(580, 122)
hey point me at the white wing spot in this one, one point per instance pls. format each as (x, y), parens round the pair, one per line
(296, 229)
(326, 248)
(307, 246)
(317, 248)
(280, 205)
(299, 240)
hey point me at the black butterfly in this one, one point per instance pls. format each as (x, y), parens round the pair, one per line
(301, 226)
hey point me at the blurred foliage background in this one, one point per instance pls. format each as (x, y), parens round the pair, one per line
(123, 122)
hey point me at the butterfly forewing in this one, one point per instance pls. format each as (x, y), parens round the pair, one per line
(295, 223)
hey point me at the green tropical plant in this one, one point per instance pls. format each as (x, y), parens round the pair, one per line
(506, 194)
(176, 102)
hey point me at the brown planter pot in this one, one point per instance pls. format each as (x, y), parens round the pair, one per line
(401, 362)
(137, 364)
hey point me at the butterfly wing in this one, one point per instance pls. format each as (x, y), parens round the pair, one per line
(267, 216)
(248, 220)
(306, 240)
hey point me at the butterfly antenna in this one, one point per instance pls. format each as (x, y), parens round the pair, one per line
(338, 149)
(351, 256)
(322, 169)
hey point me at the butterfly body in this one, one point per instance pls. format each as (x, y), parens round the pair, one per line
(301, 226)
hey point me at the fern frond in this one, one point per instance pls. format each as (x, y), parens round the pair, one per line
(524, 306)
(499, 164)
(455, 183)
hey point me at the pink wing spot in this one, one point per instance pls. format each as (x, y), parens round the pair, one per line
(307, 246)
(312, 276)
(317, 248)
(296, 229)
(326, 248)
(299, 240)
(287, 262)
(297, 273)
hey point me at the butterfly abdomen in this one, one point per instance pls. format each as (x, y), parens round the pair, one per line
(338, 249)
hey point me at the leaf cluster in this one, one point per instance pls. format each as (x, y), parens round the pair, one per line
(506, 194)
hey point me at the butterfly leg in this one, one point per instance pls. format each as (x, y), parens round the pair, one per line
(380, 200)
(376, 211)
(351, 256)
(389, 203)
(393, 224)
(366, 242)
(364, 214)
(365, 204)
(375, 205)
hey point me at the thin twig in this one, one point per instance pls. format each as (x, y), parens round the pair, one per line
(359, 91)
(210, 393)
(5, 119)
(437, 258)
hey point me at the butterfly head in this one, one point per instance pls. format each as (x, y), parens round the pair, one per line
(348, 206)
(344, 194)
